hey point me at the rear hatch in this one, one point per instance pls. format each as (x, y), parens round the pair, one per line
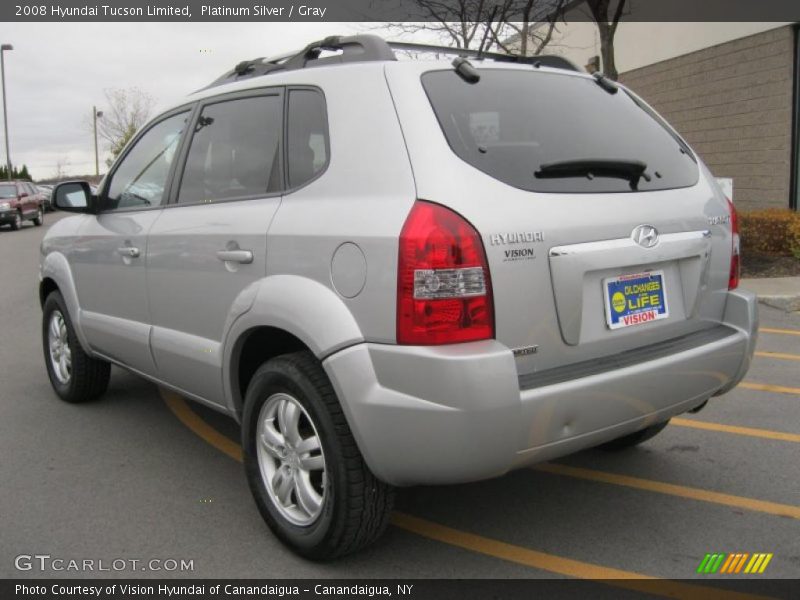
(603, 231)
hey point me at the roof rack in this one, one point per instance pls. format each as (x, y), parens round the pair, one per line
(543, 60)
(367, 48)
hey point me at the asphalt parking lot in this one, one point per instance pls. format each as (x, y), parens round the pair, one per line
(141, 474)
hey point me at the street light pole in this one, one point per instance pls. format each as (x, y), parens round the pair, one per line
(3, 49)
(96, 114)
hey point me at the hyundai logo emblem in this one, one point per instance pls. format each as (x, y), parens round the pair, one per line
(645, 235)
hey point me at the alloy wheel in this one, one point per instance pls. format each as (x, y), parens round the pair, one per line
(58, 343)
(291, 459)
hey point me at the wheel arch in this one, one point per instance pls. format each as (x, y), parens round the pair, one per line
(56, 275)
(252, 349)
(47, 286)
(287, 313)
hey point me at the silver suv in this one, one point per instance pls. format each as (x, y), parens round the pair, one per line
(400, 272)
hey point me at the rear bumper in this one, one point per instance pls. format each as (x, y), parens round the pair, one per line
(449, 414)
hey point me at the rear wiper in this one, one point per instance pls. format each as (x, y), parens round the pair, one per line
(631, 170)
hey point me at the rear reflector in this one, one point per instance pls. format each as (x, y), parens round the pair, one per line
(444, 293)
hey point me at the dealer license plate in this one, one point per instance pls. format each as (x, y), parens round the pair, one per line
(635, 299)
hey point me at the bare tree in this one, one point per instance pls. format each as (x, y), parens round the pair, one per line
(125, 112)
(534, 35)
(607, 27)
(62, 162)
(485, 24)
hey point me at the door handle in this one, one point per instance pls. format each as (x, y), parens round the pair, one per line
(129, 251)
(244, 257)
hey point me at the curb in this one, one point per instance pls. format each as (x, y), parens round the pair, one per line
(782, 293)
(787, 303)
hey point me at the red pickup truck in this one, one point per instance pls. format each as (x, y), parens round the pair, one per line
(20, 201)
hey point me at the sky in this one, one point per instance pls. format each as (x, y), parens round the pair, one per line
(58, 71)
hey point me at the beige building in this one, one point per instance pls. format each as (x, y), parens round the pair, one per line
(731, 89)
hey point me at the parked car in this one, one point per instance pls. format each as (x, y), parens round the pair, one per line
(462, 269)
(46, 190)
(20, 201)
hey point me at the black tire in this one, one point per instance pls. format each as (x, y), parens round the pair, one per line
(636, 438)
(39, 217)
(356, 505)
(16, 224)
(88, 378)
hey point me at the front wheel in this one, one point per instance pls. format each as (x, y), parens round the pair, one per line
(636, 438)
(16, 224)
(305, 471)
(74, 375)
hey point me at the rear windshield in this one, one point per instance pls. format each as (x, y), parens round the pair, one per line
(8, 190)
(511, 123)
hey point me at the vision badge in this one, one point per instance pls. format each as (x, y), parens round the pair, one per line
(519, 254)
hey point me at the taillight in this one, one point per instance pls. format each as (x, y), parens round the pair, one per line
(444, 293)
(736, 264)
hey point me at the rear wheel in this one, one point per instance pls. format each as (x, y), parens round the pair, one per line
(75, 376)
(636, 438)
(306, 473)
(39, 217)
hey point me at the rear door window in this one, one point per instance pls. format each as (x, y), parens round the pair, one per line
(235, 151)
(511, 123)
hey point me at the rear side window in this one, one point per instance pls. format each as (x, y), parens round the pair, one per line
(510, 123)
(307, 136)
(235, 151)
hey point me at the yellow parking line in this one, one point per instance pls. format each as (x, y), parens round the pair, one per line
(768, 387)
(749, 431)
(764, 506)
(509, 552)
(779, 355)
(557, 564)
(190, 418)
(781, 331)
(483, 545)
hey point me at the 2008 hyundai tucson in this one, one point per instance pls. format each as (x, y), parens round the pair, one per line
(399, 272)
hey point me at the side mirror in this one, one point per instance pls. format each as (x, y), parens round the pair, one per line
(73, 196)
(23, 195)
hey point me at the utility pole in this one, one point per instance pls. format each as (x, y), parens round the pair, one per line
(96, 114)
(3, 49)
